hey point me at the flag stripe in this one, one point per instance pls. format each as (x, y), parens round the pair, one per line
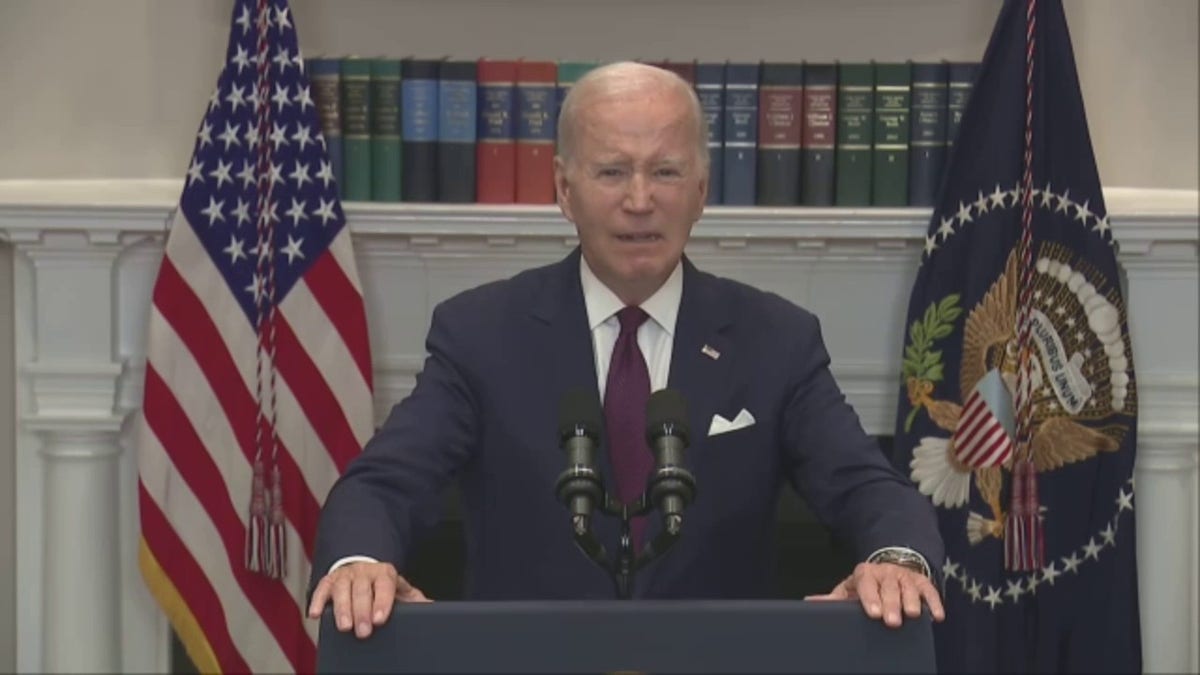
(329, 285)
(184, 312)
(198, 537)
(198, 595)
(999, 447)
(340, 372)
(192, 265)
(273, 604)
(196, 467)
(314, 396)
(191, 386)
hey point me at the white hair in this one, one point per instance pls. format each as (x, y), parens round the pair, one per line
(620, 78)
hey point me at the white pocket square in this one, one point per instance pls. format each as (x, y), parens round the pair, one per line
(720, 425)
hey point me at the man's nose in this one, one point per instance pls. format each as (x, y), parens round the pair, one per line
(638, 196)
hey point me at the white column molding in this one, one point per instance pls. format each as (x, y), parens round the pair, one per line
(1166, 548)
(80, 600)
(71, 380)
(88, 255)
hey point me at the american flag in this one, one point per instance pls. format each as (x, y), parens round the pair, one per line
(258, 372)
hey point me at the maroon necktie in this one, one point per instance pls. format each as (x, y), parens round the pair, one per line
(625, 396)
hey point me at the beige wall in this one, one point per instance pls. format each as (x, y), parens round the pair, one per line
(115, 88)
(8, 488)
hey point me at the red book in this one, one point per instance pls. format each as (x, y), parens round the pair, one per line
(496, 150)
(536, 107)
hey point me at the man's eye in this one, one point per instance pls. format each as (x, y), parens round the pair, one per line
(609, 173)
(669, 173)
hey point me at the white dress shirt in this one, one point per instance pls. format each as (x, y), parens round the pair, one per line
(655, 336)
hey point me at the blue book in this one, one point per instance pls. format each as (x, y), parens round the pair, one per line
(457, 116)
(710, 87)
(419, 129)
(741, 133)
(927, 140)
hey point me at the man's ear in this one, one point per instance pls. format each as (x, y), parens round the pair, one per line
(562, 187)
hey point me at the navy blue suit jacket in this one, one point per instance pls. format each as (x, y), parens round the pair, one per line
(484, 412)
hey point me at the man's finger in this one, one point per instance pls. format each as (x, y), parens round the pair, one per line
(934, 600)
(319, 597)
(340, 592)
(362, 598)
(911, 592)
(384, 598)
(867, 588)
(890, 597)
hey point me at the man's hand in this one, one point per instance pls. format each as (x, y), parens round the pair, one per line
(363, 594)
(884, 589)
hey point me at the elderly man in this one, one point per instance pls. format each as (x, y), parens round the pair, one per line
(624, 314)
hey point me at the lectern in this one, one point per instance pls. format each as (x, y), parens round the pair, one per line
(658, 636)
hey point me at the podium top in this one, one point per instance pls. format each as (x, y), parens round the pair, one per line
(695, 636)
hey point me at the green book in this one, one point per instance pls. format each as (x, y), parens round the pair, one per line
(356, 128)
(893, 92)
(855, 130)
(385, 130)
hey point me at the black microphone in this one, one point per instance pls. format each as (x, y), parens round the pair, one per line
(671, 486)
(579, 425)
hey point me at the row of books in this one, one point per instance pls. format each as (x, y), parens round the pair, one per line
(780, 134)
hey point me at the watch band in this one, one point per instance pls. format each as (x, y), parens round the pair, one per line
(903, 556)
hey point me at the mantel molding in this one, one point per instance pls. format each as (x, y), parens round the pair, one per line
(110, 211)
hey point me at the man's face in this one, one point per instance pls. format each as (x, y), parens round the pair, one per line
(633, 187)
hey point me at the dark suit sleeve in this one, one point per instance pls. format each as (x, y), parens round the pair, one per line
(841, 470)
(393, 489)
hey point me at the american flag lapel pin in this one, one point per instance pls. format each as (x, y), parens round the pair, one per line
(710, 352)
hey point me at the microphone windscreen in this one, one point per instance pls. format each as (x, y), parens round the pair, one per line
(577, 408)
(666, 407)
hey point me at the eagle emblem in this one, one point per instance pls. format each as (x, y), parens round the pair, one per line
(1080, 388)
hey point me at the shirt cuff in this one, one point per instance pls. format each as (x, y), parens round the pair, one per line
(350, 559)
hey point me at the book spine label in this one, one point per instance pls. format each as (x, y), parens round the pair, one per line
(496, 147)
(536, 105)
(889, 185)
(356, 128)
(456, 135)
(780, 123)
(927, 144)
(385, 131)
(420, 134)
(855, 134)
(961, 81)
(817, 141)
(741, 134)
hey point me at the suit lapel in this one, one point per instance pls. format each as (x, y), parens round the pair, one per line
(702, 360)
(703, 356)
(566, 352)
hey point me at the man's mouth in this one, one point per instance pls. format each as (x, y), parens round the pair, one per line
(639, 237)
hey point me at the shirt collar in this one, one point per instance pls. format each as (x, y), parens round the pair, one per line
(602, 303)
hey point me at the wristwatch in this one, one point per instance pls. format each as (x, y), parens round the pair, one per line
(905, 557)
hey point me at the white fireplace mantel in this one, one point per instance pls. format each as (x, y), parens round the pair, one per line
(87, 253)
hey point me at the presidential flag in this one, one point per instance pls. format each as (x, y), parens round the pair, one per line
(1018, 409)
(258, 370)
